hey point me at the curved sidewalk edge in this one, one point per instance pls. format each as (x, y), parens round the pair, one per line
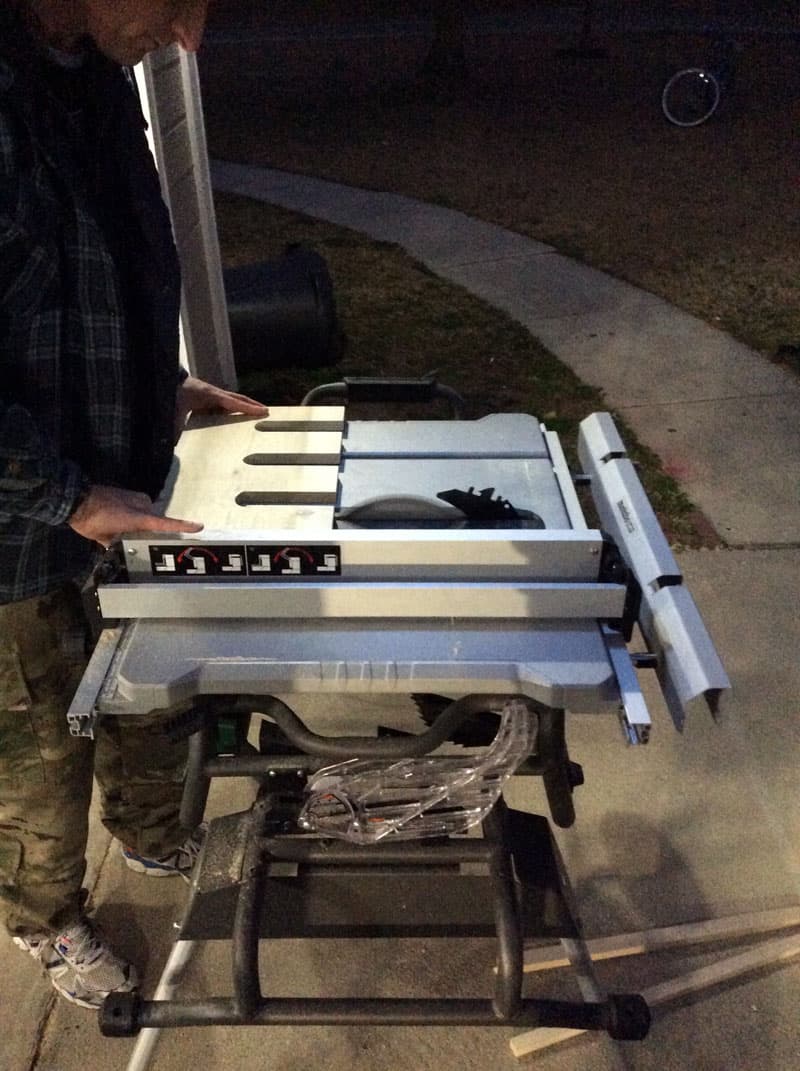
(723, 419)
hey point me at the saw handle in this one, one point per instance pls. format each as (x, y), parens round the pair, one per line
(387, 389)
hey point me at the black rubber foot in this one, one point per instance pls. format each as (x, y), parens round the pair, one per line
(119, 1015)
(629, 1018)
(575, 774)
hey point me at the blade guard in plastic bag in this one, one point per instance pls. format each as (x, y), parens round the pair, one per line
(365, 801)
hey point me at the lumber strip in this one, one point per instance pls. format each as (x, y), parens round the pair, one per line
(766, 953)
(641, 941)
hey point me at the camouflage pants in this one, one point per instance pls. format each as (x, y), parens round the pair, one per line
(46, 774)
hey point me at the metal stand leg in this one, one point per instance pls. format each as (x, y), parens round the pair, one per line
(575, 947)
(247, 986)
(170, 979)
(508, 985)
(197, 782)
(581, 961)
(556, 766)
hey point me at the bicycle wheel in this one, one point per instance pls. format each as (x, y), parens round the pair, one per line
(690, 96)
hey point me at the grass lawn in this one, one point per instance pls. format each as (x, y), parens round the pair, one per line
(402, 320)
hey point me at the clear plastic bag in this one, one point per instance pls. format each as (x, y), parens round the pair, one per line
(364, 801)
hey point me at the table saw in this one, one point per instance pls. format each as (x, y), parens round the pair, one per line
(446, 560)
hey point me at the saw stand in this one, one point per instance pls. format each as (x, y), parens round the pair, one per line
(260, 878)
(447, 560)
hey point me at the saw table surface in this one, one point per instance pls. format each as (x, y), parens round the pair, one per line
(447, 556)
(291, 472)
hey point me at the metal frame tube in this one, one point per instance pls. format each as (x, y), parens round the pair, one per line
(508, 981)
(309, 850)
(247, 921)
(282, 1011)
(198, 779)
(399, 747)
(552, 746)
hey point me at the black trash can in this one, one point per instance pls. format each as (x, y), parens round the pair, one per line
(282, 312)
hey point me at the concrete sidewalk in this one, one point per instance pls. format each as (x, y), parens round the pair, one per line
(696, 826)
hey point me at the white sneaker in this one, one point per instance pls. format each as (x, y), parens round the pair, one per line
(179, 862)
(79, 964)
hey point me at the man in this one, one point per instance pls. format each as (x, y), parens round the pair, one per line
(90, 399)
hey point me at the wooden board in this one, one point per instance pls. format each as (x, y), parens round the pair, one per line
(765, 954)
(634, 944)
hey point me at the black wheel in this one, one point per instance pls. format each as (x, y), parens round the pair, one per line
(690, 96)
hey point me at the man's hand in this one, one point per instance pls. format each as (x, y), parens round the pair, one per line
(197, 396)
(107, 512)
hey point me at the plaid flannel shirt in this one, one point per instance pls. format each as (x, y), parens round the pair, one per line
(87, 374)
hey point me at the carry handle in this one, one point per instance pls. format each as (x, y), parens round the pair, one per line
(387, 389)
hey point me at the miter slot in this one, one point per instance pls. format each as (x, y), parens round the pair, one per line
(302, 418)
(278, 498)
(295, 448)
(299, 425)
(288, 458)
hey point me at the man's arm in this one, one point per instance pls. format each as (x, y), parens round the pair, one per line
(197, 396)
(105, 513)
